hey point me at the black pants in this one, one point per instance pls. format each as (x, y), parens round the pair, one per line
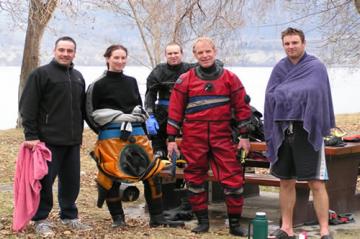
(158, 141)
(66, 165)
(152, 193)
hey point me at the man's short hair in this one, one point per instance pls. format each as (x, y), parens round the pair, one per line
(65, 38)
(204, 39)
(293, 31)
(174, 44)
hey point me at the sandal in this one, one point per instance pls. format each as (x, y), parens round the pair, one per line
(335, 219)
(280, 234)
(326, 237)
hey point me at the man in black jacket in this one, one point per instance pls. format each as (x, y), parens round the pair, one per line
(52, 109)
(159, 85)
(158, 88)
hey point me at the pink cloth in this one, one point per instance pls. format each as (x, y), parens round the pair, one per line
(31, 166)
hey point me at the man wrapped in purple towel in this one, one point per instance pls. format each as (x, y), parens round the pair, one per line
(298, 113)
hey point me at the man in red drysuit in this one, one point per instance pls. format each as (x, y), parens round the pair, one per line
(203, 102)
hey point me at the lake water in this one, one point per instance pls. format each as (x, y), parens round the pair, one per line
(345, 85)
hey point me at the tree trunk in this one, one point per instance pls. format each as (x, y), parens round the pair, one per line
(31, 58)
(38, 18)
(357, 5)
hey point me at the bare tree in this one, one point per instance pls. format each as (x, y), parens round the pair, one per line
(337, 23)
(39, 15)
(40, 12)
(357, 5)
(162, 21)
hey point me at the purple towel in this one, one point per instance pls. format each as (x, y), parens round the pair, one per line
(298, 92)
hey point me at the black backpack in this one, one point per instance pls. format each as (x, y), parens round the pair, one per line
(255, 128)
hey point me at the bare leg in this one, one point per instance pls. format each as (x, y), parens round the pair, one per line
(321, 204)
(287, 204)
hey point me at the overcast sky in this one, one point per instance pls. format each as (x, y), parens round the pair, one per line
(261, 43)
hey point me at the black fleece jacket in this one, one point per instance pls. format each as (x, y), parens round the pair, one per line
(52, 105)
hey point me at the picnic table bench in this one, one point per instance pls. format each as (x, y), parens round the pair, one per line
(343, 164)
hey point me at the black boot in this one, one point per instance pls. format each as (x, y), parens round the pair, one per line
(114, 205)
(234, 225)
(118, 221)
(182, 212)
(159, 220)
(203, 222)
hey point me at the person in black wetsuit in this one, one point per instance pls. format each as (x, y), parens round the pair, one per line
(159, 85)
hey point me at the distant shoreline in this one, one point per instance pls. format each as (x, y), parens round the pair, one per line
(348, 120)
(344, 82)
(247, 66)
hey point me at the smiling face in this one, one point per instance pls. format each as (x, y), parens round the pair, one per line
(117, 60)
(294, 47)
(64, 52)
(205, 53)
(173, 54)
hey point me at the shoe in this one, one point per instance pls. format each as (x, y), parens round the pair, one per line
(118, 221)
(159, 220)
(76, 224)
(43, 228)
(327, 237)
(179, 215)
(182, 212)
(184, 206)
(281, 234)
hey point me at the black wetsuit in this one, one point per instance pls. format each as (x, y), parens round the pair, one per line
(159, 85)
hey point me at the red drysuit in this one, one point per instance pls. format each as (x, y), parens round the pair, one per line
(204, 109)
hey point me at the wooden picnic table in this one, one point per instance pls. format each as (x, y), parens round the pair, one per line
(342, 163)
(343, 169)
